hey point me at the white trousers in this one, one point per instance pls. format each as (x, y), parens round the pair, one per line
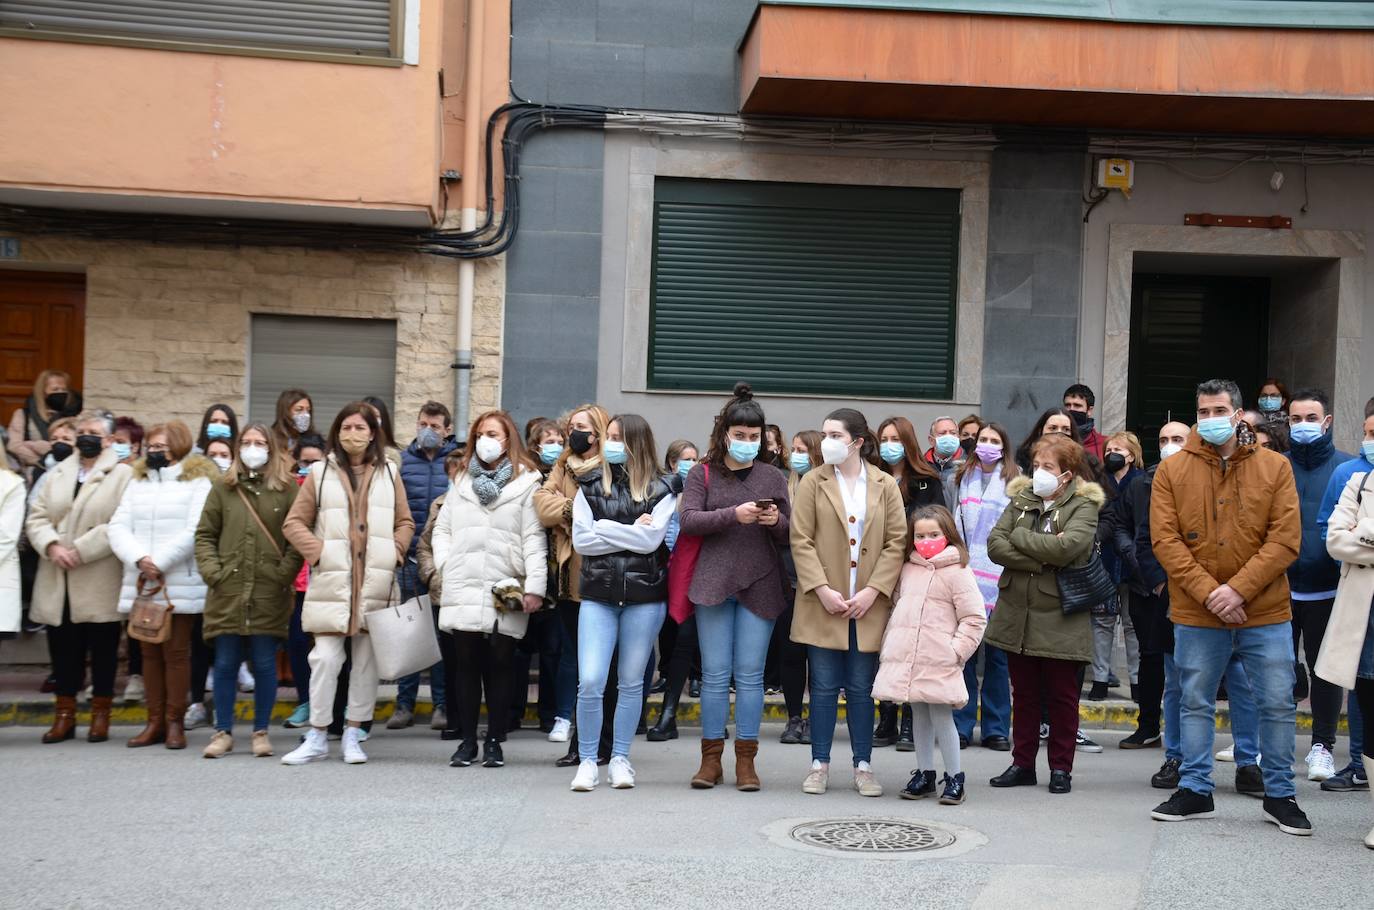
(326, 662)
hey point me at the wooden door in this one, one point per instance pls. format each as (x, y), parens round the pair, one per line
(42, 327)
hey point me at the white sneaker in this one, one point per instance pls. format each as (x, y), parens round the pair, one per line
(196, 716)
(210, 681)
(1227, 754)
(133, 690)
(561, 728)
(315, 747)
(621, 774)
(1320, 763)
(245, 679)
(587, 776)
(353, 746)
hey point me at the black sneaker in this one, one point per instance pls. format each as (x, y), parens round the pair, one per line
(963, 742)
(491, 755)
(791, 735)
(1083, 744)
(1168, 775)
(1141, 739)
(1098, 692)
(921, 785)
(1014, 776)
(1249, 780)
(465, 754)
(1286, 814)
(694, 688)
(1060, 781)
(806, 731)
(1184, 805)
(953, 794)
(1345, 781)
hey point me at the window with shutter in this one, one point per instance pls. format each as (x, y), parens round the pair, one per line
(804, 288)
(335, 360)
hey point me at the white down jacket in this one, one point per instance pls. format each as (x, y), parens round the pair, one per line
(157, 518)
(477, 546)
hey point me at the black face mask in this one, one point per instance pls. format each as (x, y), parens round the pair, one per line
(1085, 423)
(1114, 461)
(56, 401)
(157, 461)
(89, 446)
(968, 445)
(61, 451)
(580, 441)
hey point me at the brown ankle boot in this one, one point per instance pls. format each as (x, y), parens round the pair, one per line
(710, 772)
(152, 734)
(746, 778)
(100, 719)
(64, 722)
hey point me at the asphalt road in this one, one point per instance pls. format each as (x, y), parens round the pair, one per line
(105, 826)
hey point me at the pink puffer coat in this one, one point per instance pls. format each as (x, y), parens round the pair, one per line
(936, 625)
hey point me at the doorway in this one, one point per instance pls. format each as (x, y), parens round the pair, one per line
(43, 315)
(1185, 329)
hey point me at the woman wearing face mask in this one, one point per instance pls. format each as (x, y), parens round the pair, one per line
(544, 442)
(352, 524)
(76, 591)
(11, 526)
(219, 424)
(1121, 466)
(790, 655)
(738, 506)
(62, 439)
(1054, 421)
(1050, 524)
(243, 555)
(294, 418)
(1272, 400)
(153, 534)
(545, 439)
(487, 536)
(128, 439)
(202, 658)
(772, 452)
(581, 459)
(677, 642)
(848, 543)
(982, 484)
(969, 428)
(28, 433)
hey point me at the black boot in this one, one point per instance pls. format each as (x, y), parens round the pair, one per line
(953, 794)
(921, 785)
(885, 734)
(666, 728)
(570, 759)
(792, 733)
(905, 741)
(1098, 692)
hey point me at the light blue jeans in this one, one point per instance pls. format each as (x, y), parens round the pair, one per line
(733, 640)
(600, 629)
(1266, 654)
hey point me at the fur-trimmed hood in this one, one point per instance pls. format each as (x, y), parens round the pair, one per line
(192, 467)
(1020, 492)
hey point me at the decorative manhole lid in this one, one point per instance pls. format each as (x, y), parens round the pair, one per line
(863, 837)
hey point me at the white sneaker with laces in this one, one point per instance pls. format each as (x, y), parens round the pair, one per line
(587, 776)
(561, 728)
(621, 773)
(246, 683)
(1227, 754)
(1320, 763)
(315, 747)
(133, 690)
(353, 753)
(196, 716)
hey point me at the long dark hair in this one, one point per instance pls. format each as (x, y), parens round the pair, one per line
(916, 464)
(373, 454)
(1023, 451)
(384, 419)
(856, 425)
(776, 460)
(203, 440)
(285, 402)
(741, 410)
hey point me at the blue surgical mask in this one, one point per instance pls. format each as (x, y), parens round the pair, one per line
(1270, 402)
(549, 452)
(217, 431)
(122, 450)
(684, 466)
(801, 462)
(1216, 430)
(1305, 433)
(613, 451)
(743, 452)
(893, 452)
(1367, 450)
(946, 445)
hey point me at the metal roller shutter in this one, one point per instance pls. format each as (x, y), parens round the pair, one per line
(354, 26)
(804, 288)
(335, 360)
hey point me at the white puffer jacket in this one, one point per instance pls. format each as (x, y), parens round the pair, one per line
(157, 518)
(477, 546)
(11, 526)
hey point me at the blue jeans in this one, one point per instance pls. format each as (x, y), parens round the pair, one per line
(262, 655)
(732, 639)
(408, 687)
(1266, 654)
(1173, 699)
(565, 687)
(995, 695)
(1244, 714)
(853, 670)
(600, 629)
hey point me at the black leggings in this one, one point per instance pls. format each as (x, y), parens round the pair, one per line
(490, 658)
(72, 642)
(1364, 693)
(1311, 616)
(685, 654)
(791, 659)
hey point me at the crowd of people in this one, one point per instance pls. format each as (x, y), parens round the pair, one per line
(967, 581)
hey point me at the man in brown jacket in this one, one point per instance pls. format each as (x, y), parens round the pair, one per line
(1225, 525)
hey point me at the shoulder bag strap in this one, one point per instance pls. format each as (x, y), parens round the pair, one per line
(257, 519)
(1359, 494)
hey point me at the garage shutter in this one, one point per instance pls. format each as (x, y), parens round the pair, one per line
(347, 26)
(335, 360)
(804, 288)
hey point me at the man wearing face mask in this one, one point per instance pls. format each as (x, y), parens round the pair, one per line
(1079, 401)
(425, 480)
(945, 453)
(1225, 524)
(1313, 577)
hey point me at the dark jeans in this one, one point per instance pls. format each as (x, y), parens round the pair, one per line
(568, 611)
(261, 652)
(544, 638)
(1052, 685)
(994, 695)
(408, 687)
(1155, 633)
(72, 642)
(852, 670)
(482, 657)
(1311, 617)
(298, 643)
(787, 664)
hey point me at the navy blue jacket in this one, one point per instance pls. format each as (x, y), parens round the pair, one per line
(425, 480)
(1315, 571)
(1132, 533)
(1108, 521)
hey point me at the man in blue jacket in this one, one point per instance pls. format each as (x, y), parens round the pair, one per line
(425, 479)
(1313, 577)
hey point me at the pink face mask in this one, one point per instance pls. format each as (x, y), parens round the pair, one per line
(931, 547)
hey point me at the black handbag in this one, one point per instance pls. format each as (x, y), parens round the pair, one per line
(1083, 587)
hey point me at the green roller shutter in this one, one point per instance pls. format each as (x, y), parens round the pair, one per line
(804, 288)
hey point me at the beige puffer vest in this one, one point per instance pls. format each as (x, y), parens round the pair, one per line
(328, 604)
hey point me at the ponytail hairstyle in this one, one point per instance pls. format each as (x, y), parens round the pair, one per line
(856, 425)
(941, 516)
(741, 410)
(641, 455)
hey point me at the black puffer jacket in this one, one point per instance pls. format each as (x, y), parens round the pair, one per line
(625, 578)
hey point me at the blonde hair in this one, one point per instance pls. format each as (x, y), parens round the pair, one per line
(641, 459)
(1131, 443)
(277, 470)
(601, 422)
(40, 386)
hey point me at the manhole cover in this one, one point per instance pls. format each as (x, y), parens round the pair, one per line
(872, 835)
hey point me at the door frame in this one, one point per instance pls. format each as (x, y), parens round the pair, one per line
(76, 346)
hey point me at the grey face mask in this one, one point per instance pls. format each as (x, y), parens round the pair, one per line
(428, 438)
